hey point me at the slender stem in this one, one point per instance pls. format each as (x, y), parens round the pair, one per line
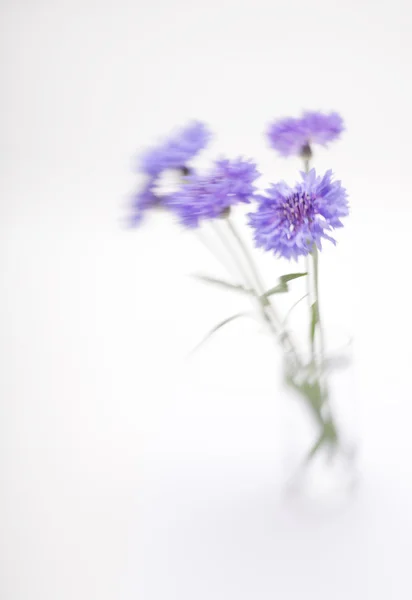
(291, 309)
(311, 300)
(260, 285)
(317, 339)
(246, 277)
(315, 257)
(329, 433)
(306, 165)
(265, 304)
(252, 284)
(213, 251)
(312, 282)
(238, 263)
(242, 271)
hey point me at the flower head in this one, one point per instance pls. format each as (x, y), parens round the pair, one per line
(176, 151)
(322, 128)
(291, 221)
(208, 196)
(142, 200)
(294, 136)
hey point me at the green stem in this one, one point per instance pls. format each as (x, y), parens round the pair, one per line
(315, 258)
(311, 300)
(329, 432)
(306, 165)
(265, 304)
(242, 272)
(238, 264)
(214, 252)
(254, 285)
(260, 288)
(317, 342)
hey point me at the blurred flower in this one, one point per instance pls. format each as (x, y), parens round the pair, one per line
(290, 221)
(174, 153)
(322, 128)
(208, 196)
(295, 136)
(142, 200)
(287, 136)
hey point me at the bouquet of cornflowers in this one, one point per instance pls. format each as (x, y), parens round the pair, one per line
(290, 222)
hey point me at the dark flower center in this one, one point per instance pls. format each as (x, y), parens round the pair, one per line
(185, 170)
(298, 209)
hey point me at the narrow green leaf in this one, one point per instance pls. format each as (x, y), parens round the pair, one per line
(314, 321)
(222, 283)
(291, 276)
(219, 326)
(279, 289)
(311, 392)
(328, 437)
(282, 286)
(292, 308)
(317, 445)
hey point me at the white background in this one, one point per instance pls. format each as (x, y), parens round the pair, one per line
(127, 470)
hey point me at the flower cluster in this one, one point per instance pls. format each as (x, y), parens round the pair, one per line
(288, 221)
(295, 136)
(209, 196)
(291, 221)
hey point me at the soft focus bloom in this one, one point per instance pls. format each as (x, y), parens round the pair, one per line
(142, 200)
(208, 196)
(291, 221)
(174, 153)
(287, 136)
(322, 128)
(294, 136)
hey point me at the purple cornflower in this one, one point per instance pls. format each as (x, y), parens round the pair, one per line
(294, 136)
(291, 221)
(174, 153)
(208, 196)
(142, 200)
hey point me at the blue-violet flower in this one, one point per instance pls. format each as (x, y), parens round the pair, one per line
(291, 221)
(142, 200)
(294, 136)
(174, 153)
(209, 196)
